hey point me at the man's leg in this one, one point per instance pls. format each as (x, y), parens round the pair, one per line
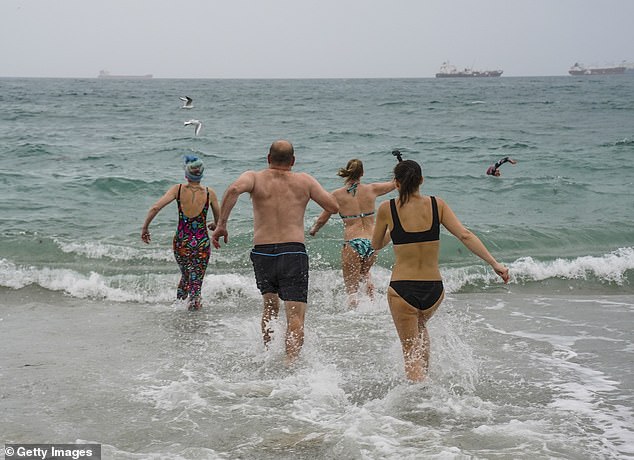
(295, 312)
(270, 312)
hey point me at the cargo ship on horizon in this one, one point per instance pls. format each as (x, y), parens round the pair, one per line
(104, 74)
(450, 71)
(580, 69)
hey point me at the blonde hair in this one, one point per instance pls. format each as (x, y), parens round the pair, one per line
(352, 171)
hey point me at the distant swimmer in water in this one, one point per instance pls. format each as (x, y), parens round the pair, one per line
(356, 209)
(495, 171)
(191, 241)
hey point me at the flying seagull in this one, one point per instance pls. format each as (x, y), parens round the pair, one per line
(197, 123)
(188, 102)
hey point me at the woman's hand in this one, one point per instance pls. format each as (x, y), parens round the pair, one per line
(502, 271)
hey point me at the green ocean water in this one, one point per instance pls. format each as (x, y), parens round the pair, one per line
(82, 160)
(96, 349)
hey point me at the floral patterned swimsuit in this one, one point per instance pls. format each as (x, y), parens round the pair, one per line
(191, 250)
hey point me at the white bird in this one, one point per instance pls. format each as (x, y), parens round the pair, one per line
(188, 102)
(197, 123)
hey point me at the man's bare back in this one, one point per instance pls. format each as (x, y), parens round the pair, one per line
(279, 198)
(279, 203)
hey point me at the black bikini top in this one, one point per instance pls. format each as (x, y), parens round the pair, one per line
(400, 236)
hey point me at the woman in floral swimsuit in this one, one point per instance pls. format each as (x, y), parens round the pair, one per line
(191, 241)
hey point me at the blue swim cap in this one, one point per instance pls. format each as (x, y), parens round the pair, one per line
(193, 168)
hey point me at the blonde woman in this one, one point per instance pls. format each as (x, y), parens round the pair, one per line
(356, 209)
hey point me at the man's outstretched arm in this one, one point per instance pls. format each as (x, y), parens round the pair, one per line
(322, 197)
(243, 184)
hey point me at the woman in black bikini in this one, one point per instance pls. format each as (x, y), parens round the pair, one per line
(416, 288)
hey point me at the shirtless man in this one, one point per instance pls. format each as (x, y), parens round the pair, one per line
(279, 257)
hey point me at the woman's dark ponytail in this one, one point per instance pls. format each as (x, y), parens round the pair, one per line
(409, 175)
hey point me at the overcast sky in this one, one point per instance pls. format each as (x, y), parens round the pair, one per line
(309, 38)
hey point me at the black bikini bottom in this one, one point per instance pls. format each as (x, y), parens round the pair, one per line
(419, 294)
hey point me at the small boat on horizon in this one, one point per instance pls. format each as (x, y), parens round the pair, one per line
(450, 71)
(580, 69)
(104, 74)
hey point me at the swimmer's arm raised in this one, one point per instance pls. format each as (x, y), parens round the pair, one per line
(382, 188)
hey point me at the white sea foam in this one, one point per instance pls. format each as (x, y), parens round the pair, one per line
(610, 268)
(575, 392)
(120, 288)
(175, 395)
(230, 285)
(536, 430)
(583, 391)
(98, 250)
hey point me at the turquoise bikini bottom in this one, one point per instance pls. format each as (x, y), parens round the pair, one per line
(363, 246)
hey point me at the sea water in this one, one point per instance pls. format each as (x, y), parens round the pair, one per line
(97, 350)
